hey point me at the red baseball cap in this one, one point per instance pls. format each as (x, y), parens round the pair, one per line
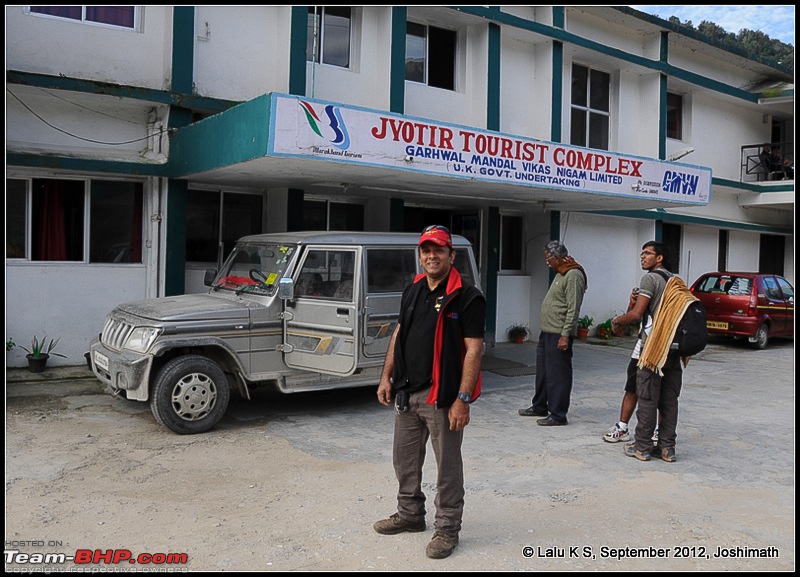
(436, 234)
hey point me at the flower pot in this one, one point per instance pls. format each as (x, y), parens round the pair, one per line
(37, 364)
(519, 339)
(583, 333)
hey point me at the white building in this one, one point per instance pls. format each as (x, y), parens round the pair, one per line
(142, 141)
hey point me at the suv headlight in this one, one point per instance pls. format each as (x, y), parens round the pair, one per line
(141, 338)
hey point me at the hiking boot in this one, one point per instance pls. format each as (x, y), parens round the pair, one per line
(441, 545)
(551, 421)
(615, 435)
(531, 412)
(654, 438)
(668, 455)
(631, 451)
(396, 524)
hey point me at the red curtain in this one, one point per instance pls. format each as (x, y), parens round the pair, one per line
(52, 231)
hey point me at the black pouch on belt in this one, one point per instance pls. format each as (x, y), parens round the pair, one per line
(401, 401)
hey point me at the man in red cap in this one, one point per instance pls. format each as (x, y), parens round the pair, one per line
(433, 371)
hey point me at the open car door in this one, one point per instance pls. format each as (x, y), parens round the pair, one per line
(321, 323)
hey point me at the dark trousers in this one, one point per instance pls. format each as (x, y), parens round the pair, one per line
(658, 394)
(412, 429)
(553, 377)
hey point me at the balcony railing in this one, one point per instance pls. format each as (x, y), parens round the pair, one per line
(767, 162)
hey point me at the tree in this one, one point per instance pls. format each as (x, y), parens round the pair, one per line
(751, 41)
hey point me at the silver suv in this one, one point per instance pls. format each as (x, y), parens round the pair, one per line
(302, 311)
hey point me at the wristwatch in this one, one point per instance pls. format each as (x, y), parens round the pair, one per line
(465, 397)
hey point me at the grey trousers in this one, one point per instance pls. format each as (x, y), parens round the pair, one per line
(412, 429)
(658, 395)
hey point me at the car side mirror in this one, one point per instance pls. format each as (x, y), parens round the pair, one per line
(209, 277)
(286, 288)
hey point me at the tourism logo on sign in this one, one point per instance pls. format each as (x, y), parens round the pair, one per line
(335, 129)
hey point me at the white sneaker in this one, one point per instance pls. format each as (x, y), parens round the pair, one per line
(615, 435)
(654, 438)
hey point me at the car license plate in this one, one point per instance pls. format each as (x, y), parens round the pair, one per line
(716, 325)
(101, 361)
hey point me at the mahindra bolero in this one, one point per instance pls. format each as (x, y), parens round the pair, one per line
(303, 311)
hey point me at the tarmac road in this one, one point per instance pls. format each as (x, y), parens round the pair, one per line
(294, 482)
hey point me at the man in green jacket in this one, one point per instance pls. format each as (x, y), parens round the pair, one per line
(561, 308)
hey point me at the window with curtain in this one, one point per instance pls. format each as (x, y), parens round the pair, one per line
(56, 226)
(590, 107)
(122, 16)
(329, 29)
(214, 217)
(430, 55)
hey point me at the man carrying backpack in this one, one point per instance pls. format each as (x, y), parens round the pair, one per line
(658, 382)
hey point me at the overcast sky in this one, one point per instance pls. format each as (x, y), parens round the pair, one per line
(777, 22)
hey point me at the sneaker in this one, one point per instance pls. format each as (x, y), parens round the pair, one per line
(668, 455)
(630, 450)
(396, 524)
(615, 435)
(654, 438)
(531, 412)
(441, 545)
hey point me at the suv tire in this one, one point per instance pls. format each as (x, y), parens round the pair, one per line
(190, 394)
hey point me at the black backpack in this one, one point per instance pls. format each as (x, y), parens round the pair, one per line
(691, 336)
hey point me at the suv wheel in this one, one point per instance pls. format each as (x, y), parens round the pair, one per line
(761, 338)
(190, 394)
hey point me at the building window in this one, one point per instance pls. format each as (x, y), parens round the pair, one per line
(674, 116)
(511, 243)
(329, 215)
(430, 55)
(671, 237)
(329, 35)
(589, 114)
(121, 16)
(215, 218)
(56, 228)
(115, 222)
(722, 250)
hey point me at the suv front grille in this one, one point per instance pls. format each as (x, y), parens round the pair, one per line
(115, 333)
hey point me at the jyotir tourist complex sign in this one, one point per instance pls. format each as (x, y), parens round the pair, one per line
(302, 127)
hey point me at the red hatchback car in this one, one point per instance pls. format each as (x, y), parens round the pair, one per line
(747, 304)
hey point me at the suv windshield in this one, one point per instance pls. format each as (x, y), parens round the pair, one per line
(253, 268)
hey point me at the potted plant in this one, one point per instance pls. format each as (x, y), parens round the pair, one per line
(604, 330)
(583, 327)
(39, 352)
(518, 333)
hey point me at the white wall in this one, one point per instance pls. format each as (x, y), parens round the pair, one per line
(241, 52)
(513, 304)
(67, 301)
(743, 250)
(699, 246)
(608, 248)
(76, 50)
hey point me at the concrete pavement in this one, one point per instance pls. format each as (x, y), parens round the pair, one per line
(533, 493)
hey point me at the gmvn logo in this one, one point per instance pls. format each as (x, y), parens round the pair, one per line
(680, 183)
